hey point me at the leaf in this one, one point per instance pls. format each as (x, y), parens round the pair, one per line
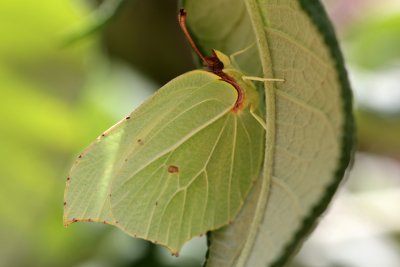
(375, 33)
(178, 166)
(309, 131)
(103, 15)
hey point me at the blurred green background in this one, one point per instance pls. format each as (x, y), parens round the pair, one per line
(56, 99)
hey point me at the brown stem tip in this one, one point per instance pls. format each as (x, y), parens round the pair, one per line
(213, 63)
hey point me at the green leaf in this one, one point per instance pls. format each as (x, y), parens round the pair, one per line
(103, 15)
(180, 165)
(375, 33)
(309, 131)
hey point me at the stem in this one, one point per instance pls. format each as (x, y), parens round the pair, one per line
(182, 23)
(258, 26)
(213, 63)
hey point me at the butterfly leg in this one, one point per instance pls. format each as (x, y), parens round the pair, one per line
(233, 56)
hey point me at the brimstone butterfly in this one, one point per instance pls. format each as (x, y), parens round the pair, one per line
(179, 165)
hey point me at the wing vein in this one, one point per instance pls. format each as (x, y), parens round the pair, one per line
(176, 145)
(231, 167)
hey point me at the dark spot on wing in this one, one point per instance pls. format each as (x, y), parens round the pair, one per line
(173, 169)
(140, 141)
(128, 117)
(80, 156)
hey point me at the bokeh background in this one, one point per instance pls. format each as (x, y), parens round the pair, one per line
(57, 95)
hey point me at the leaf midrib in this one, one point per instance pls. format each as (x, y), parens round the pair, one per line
(265, 57)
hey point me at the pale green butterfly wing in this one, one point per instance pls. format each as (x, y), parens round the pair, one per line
(309, 124)
(86, 196)
(178, 166)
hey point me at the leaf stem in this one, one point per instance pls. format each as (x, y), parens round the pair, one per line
(182, 23)
(213, 63)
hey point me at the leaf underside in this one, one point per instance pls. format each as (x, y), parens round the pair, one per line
(309, 122)
(178, 166)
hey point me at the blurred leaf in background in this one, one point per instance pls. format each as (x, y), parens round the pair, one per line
(370, 33)
(44, 120)
(146, 35)
(54, 101)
